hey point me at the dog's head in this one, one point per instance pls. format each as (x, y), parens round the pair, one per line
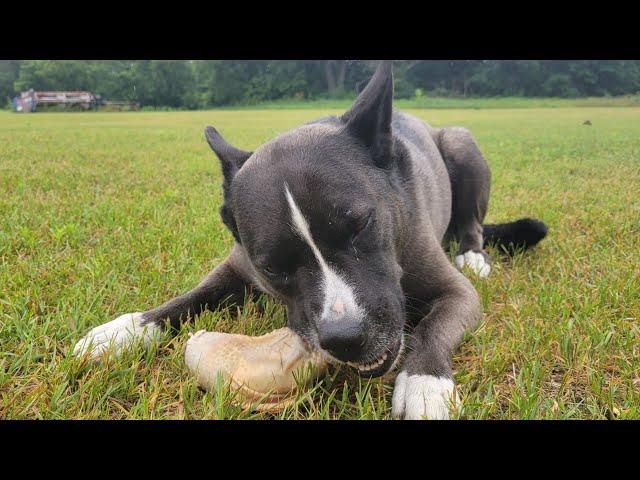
(320, 214)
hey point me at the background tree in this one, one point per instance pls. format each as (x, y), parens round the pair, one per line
(9, 71)
(209, 83)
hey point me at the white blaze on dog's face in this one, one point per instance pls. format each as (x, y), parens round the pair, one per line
(339, 297)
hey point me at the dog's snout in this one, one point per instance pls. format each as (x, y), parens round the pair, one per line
(344, 338)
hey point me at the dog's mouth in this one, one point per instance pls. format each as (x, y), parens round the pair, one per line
(383, 364)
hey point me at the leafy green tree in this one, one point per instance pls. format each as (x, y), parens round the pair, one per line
(53, 75)
(9, 71)
(161, 82)
(208, 83)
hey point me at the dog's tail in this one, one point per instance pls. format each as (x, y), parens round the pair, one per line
(519, 235)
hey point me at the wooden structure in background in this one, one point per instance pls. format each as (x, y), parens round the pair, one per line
(116, 105)
(31, 100)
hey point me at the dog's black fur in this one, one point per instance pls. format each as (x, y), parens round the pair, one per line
(518, 235)
(382, 195)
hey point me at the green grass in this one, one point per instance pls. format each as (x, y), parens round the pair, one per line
(455, 102)
(107, 213)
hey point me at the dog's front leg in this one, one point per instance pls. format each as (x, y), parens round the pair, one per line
(425, 387)
(225, 284)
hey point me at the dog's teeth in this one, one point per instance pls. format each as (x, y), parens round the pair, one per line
(365, 367)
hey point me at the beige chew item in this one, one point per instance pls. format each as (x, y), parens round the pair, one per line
(263, 370)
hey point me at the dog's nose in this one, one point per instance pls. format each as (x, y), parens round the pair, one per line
(343, 338)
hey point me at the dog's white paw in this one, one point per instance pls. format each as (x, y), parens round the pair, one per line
(417, 397)
(475, 261)
(116, 335)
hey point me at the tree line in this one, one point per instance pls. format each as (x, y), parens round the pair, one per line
(194, 84)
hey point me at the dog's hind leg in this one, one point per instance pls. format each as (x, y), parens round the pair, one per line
(224, 285)
(470, 184)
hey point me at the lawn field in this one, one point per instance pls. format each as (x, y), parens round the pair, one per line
(430, 102)
(107, 213)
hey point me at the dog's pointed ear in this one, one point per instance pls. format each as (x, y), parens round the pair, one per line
(369, 119)
(231, 158)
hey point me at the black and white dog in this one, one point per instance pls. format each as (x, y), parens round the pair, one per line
(346, 221)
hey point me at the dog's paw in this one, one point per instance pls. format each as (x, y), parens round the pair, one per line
(417, 397)
(476, 261)
(116, 336)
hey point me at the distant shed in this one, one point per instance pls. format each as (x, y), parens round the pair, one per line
(31, 100)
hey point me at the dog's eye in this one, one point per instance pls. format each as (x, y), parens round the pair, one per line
(362, 224)
(273, 275)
